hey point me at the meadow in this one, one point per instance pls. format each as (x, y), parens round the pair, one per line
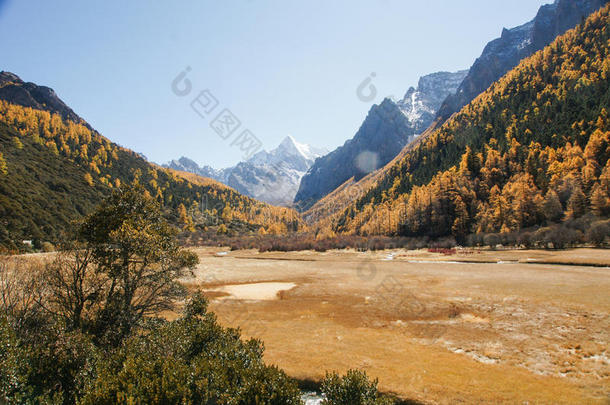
(434, 326)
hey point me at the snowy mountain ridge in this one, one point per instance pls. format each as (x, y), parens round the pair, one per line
(387, 128)
(272, 177)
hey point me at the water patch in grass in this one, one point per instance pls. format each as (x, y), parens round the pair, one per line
(254, 291)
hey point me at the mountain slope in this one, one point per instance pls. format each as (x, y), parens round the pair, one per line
(384, 132)
(378, 142)
(272, 177)
(188, 165)
(498, 57)
(533, 148)
(421, 104)
(16, 91)
(53, 171)
(504, 53)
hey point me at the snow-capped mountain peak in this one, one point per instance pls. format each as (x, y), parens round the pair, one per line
(290, 146)
(273, 176)
(297, 155)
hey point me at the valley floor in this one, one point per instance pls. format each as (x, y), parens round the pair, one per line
(470, 327)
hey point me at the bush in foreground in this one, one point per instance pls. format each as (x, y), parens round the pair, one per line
(354, 388)
(191, 360)
(84, 328)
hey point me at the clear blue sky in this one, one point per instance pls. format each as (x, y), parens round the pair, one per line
(282, 67)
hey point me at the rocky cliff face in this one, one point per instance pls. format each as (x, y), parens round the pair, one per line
(504, 53)
(421, 104)
(27, 94)
(272, 177)
(384, 132)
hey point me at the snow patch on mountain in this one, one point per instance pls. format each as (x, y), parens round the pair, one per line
(421, 104)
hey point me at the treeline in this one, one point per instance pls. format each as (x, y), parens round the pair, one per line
(54, 171)
(532, 150)
(583, 231)
(308, 241)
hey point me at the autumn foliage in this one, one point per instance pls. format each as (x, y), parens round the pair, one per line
(54, 171)
(531, 150)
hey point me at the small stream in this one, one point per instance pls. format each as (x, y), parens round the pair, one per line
(311, 398)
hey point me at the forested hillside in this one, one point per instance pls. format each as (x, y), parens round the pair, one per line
(504, 53)
(54, 171)
(532, 149)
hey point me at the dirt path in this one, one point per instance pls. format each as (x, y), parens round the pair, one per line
(431, 327)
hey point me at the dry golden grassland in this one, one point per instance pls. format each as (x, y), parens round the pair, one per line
(470, 327)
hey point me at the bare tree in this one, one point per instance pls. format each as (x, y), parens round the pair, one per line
(20, 289)
(74, 287)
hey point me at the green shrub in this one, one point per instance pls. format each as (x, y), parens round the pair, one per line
(354, 388)
(191, 360)
(12, 378)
